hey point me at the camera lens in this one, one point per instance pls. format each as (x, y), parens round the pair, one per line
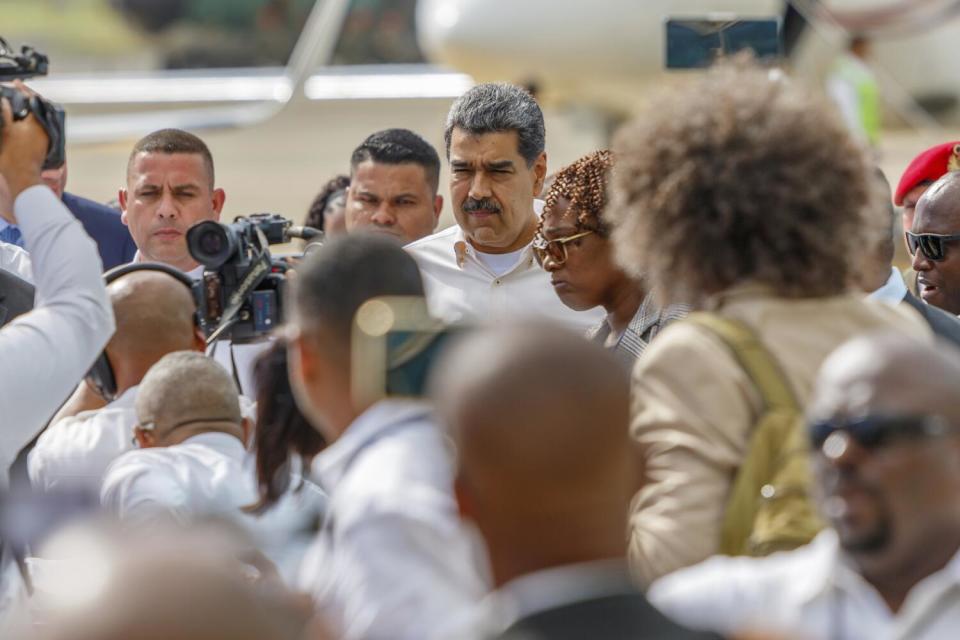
(211, 243)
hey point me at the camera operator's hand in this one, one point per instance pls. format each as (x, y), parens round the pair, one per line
(23, 148)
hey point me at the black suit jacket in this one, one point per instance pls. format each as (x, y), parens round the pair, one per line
(945, 325)
(103, 224)
(625, 616)
(16, 296)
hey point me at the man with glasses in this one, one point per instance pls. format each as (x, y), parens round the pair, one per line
(886, 462)
(482, 269)
(933, 244)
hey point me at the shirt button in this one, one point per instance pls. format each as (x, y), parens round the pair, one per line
(497, 281)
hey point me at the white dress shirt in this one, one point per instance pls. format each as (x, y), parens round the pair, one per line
(44, 353)
(210, 474)
(461, 288)
(393, 560)
(893, 291)
(808, 593)
(16, 261)
(74, 453)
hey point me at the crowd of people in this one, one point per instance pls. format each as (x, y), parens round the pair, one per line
(681, 389)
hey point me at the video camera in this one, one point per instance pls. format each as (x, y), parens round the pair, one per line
(27, 64)
(241, 294)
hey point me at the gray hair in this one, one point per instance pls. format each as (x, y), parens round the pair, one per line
(498, 107)
(186, 385)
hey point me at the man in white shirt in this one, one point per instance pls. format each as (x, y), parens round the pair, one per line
(192, 461)
(482, 269)
(170, 188)
(394, 177)
(391, 561)
(886, 462)
(155, 316)
(546, 472)
(45, 352)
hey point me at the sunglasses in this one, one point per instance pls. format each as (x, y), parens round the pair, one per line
(876, 431)
(930, 244)
(556, 250)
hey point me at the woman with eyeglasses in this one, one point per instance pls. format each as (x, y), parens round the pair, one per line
(573, 244)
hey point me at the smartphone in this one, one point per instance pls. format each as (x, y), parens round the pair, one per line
(696, 43)
(394, 343)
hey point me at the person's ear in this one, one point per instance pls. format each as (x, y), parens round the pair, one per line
(466, 506)
(437, 208)
(246, 425)
(145, 438)
(199, 340)
(539, 172)
(219, 197)
(122, 199)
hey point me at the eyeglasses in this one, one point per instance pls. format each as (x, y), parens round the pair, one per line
(876, 431)
(556, 250)
(930, 244)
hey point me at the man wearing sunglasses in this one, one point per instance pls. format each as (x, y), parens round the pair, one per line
(933, 244)
(886, 462)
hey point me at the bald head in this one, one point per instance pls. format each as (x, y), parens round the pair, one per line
(154, 315)
(545, 464)
(183, 393)
(889, 373)
(942, 199)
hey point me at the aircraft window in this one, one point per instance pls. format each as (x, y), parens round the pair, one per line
(378, 32)
(147, 35)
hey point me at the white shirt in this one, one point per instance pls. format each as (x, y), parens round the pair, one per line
(16, 261)
(210, 474)
(393, 560)
(809, 593)
(44, 353)
(893, 291)
(460, 287)
(74, 452)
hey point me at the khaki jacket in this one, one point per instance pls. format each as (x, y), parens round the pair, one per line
(693, 408)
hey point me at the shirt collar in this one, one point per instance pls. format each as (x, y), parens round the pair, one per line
(555, 587)
(218, 441)
(893, 291)
(331, 465)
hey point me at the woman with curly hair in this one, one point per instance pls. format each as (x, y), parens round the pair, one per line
(327, 209)
(573, 245)
(744, 195)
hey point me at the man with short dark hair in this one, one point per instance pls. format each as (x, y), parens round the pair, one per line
(886, 465)
(483, 268)
(394, 176)
(392, 560)
(170, 187)
(933, 244)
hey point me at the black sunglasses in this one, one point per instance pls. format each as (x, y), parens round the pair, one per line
(875, 431)
(930, 244)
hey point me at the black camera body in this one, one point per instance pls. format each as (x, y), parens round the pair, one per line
(241, 293)
(28, 64)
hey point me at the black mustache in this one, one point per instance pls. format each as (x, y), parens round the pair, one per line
(486, 204)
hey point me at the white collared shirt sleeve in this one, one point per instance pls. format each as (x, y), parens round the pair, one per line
(45, 352)
(394, 573)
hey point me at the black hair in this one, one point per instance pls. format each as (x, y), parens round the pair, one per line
(399, 146)
(498, 107)
(315, 213)
(172, 141)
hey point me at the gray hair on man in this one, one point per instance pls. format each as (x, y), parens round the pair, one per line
(186, 385)
(497, 107)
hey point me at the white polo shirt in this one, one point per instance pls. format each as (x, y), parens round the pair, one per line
(462, 288)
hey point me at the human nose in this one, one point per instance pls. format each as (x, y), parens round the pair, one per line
(167, 208)
(480, 187)
(919, 262)
(383, 216)
(840, 450)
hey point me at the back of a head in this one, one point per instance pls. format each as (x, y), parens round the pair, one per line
(741, 175)
(540, 418)
(334, 281)
(171, 141)
(496, 108)
(399, 146)
(154, 315)
(187, 386)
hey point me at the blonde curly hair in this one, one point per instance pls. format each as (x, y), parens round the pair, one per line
(738, 176)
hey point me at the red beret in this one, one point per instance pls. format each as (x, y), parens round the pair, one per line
(929, 166)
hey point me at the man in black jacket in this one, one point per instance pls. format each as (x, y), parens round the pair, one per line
(546, 471)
